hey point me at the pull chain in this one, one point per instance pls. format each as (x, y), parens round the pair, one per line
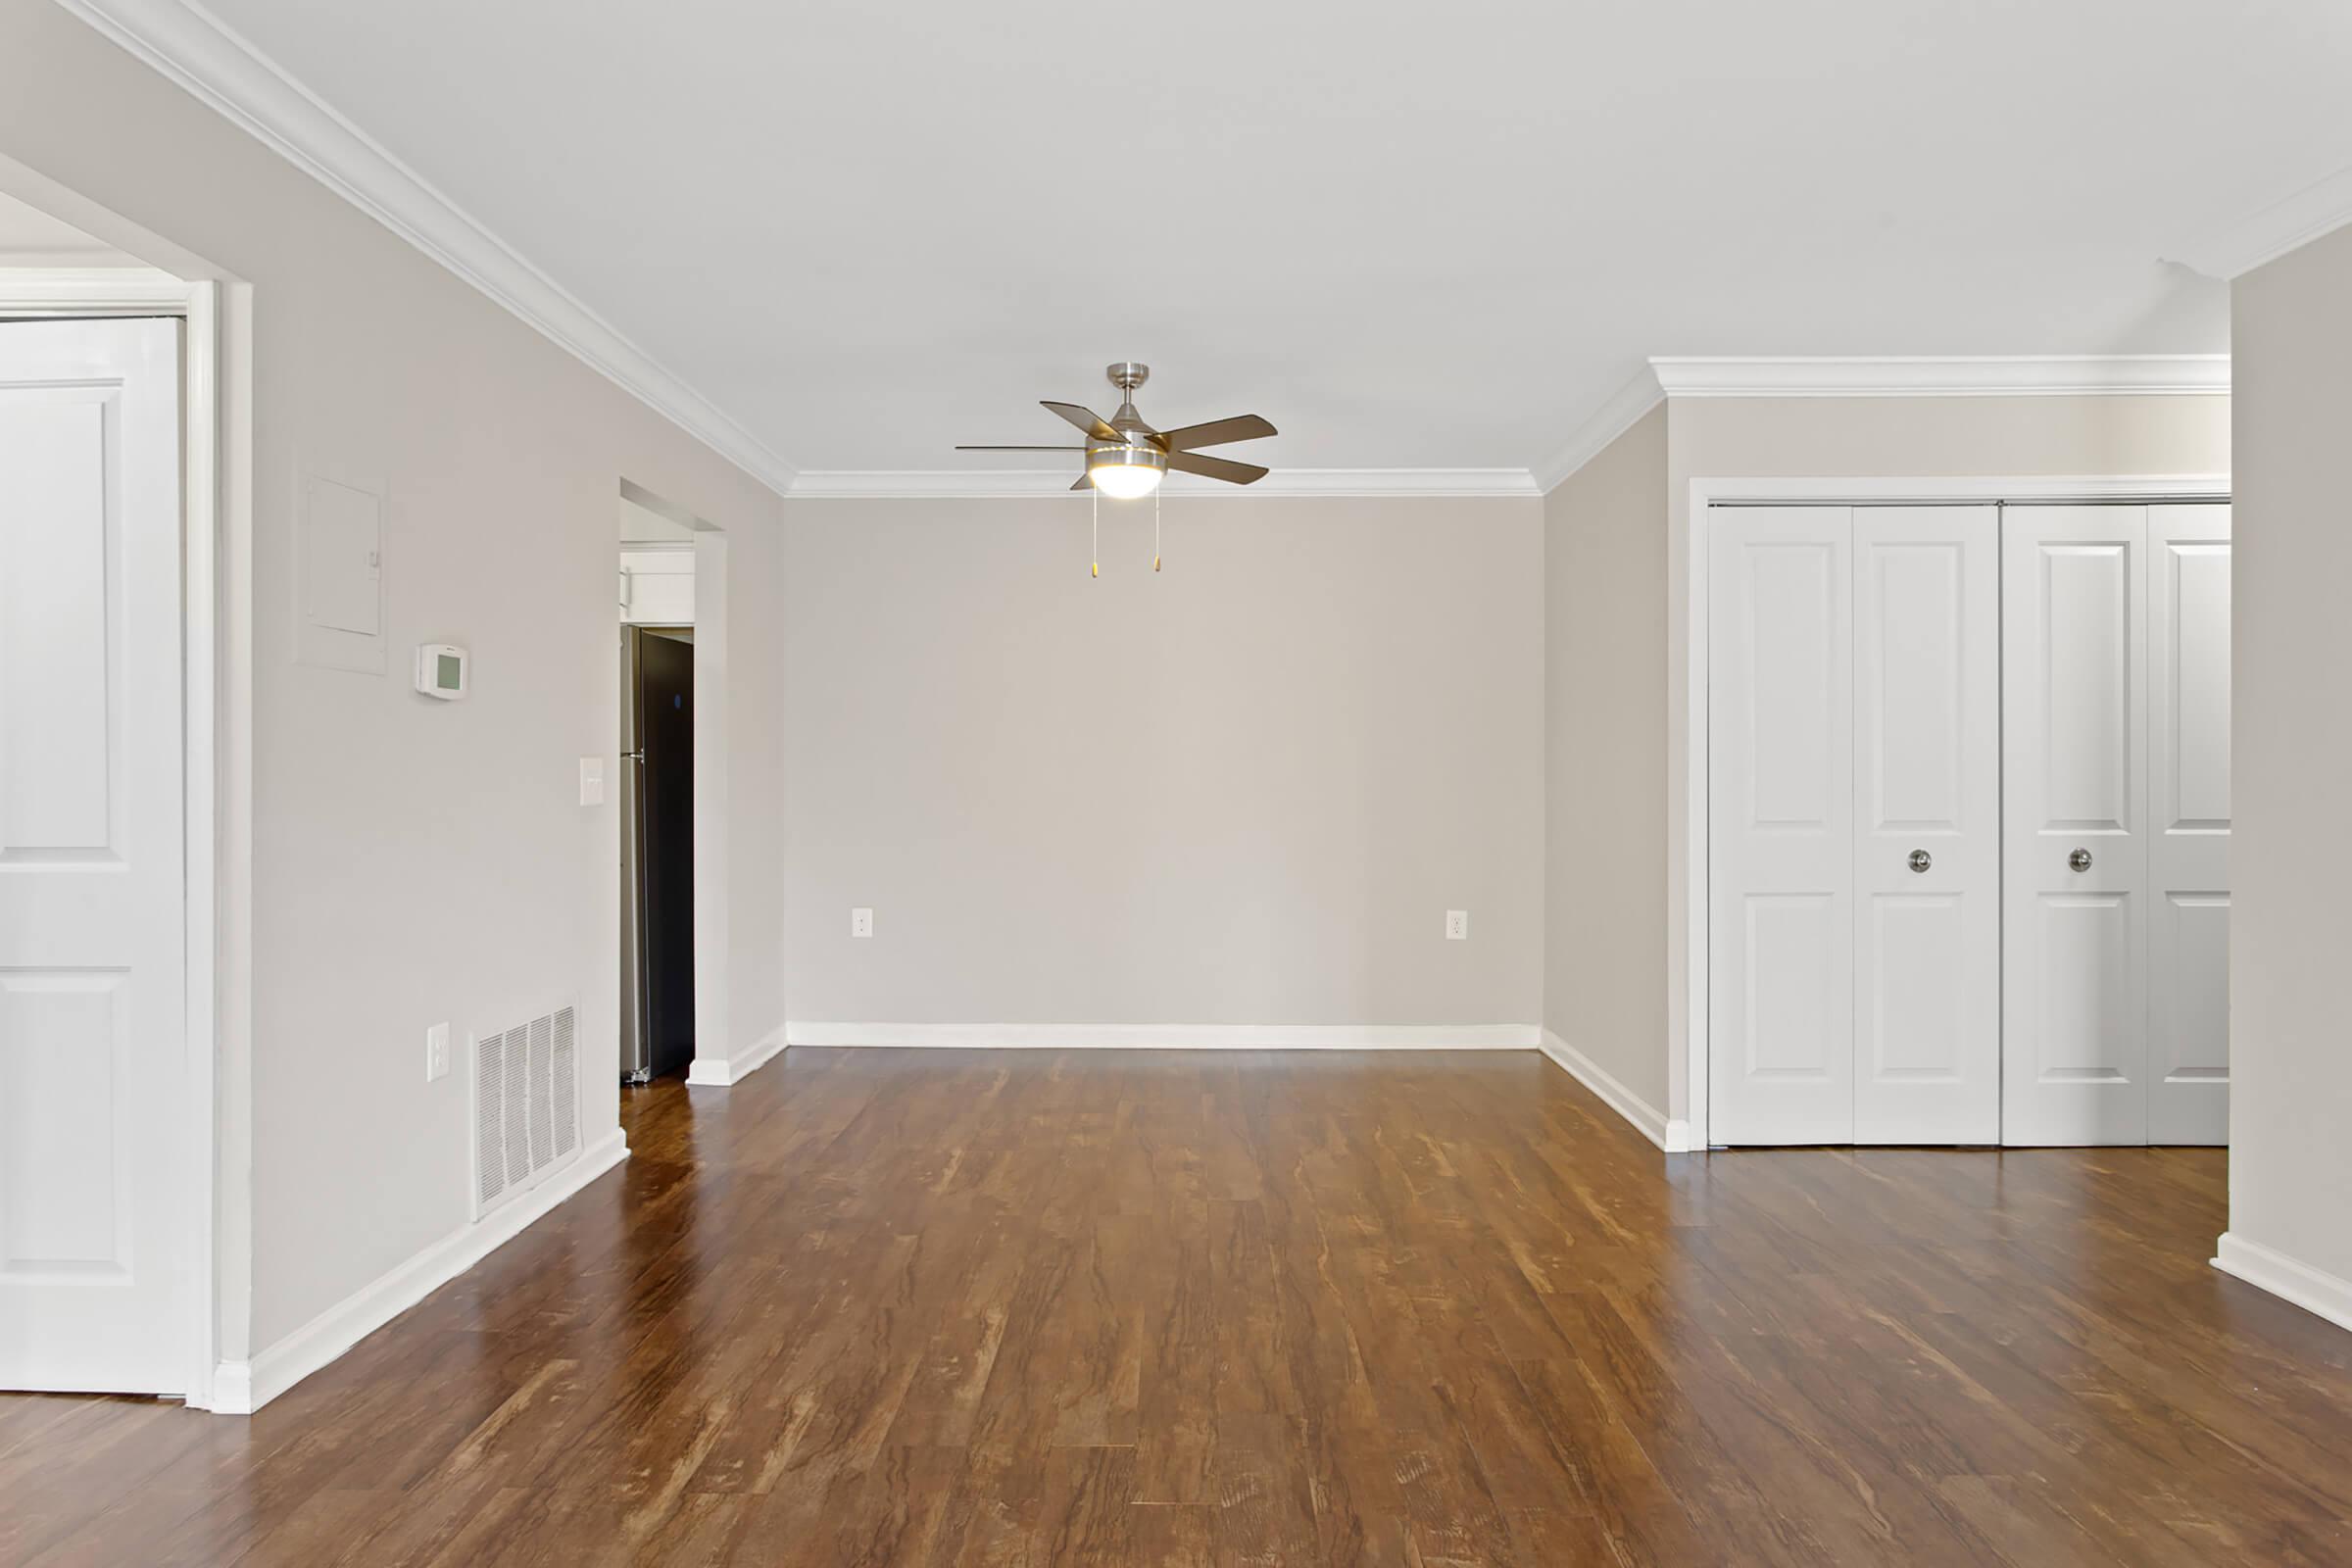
(1156, 530)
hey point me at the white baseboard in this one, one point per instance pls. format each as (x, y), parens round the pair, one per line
(1670, 1135)
(718, 1072)
(2310, 1289)
(232, 1389)
(240, 1387)
(1170, 1036)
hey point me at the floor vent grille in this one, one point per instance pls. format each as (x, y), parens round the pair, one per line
(526, 1106)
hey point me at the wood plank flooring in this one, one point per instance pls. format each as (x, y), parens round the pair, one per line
(1107, 1307)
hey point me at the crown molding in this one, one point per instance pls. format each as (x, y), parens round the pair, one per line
(1961, 377)
(2233, 249)
(221, 70)
(981, 484)
(1624, 409)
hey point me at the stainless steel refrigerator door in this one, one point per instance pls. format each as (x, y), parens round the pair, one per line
(636, 1032)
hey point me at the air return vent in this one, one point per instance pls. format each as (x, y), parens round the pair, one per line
(526, 1106)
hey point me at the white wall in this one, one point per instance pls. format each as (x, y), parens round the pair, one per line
(1245, 790)
(412, 861)
(1604, 616)
(2290, 1041)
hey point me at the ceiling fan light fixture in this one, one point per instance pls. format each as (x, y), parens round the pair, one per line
(1126, 473)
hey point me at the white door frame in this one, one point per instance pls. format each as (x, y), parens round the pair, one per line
(70, 293)
(1687, 937)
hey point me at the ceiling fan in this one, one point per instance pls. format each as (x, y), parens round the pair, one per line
(1126, 459)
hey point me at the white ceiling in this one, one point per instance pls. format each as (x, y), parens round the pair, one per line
(1411, 235)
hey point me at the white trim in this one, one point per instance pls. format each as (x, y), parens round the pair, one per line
(2312, 1289)
(965, 484)
(1674, 1137)
(1170, 1036)
(219, 68)
(200, 631)
(233, 831)
(232, 1389)
(1687, 939)
(1620, 414)
(84, 290)
(1964, 376)
(2231, 249)
(241, 1388)
(723, 1072)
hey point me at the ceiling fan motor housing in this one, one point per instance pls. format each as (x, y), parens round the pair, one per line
(1142, 448)
(1141, 452)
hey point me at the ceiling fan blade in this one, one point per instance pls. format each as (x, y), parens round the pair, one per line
(1020, 448)
(1216, 467)
(1216, 432)
(1086, 481)
(1086, 420)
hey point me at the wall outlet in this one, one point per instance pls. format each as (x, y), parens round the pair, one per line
(862, 922)
(592, 781)
(436, 1052)
(1457, 925)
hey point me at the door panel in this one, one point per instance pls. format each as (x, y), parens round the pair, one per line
(59, 652)
(1781, 815)
(61, 1048)
(2188, 781)
(2075, 750)
(1927, 781)
(92, 967)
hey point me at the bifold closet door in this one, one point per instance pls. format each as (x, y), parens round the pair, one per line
(1854, 945)
(2074, 1034)
(2188, 811)
(1927, 829)
(1781, 825)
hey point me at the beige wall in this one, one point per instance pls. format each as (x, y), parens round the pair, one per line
(413, 861)
(1604, 814)
(1245, 790)
(2290, 1045)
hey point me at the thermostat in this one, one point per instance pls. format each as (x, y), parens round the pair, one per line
(441, 670)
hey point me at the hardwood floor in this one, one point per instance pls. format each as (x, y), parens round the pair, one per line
(933, 1308)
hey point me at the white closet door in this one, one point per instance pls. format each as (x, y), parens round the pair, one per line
(2074, 720)
(1928, 844)
(2188, 849)
(92, 971)
(1781, 948)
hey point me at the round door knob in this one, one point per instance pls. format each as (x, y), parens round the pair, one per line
(1921, 859)
(2080, 860)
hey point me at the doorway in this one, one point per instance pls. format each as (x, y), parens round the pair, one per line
(656, 804)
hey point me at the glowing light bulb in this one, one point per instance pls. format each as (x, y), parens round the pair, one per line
(1125, 482)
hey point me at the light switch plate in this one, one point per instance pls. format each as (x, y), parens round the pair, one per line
(862, 922)
(592, 781)
(436, 1052)
(1457, 925)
